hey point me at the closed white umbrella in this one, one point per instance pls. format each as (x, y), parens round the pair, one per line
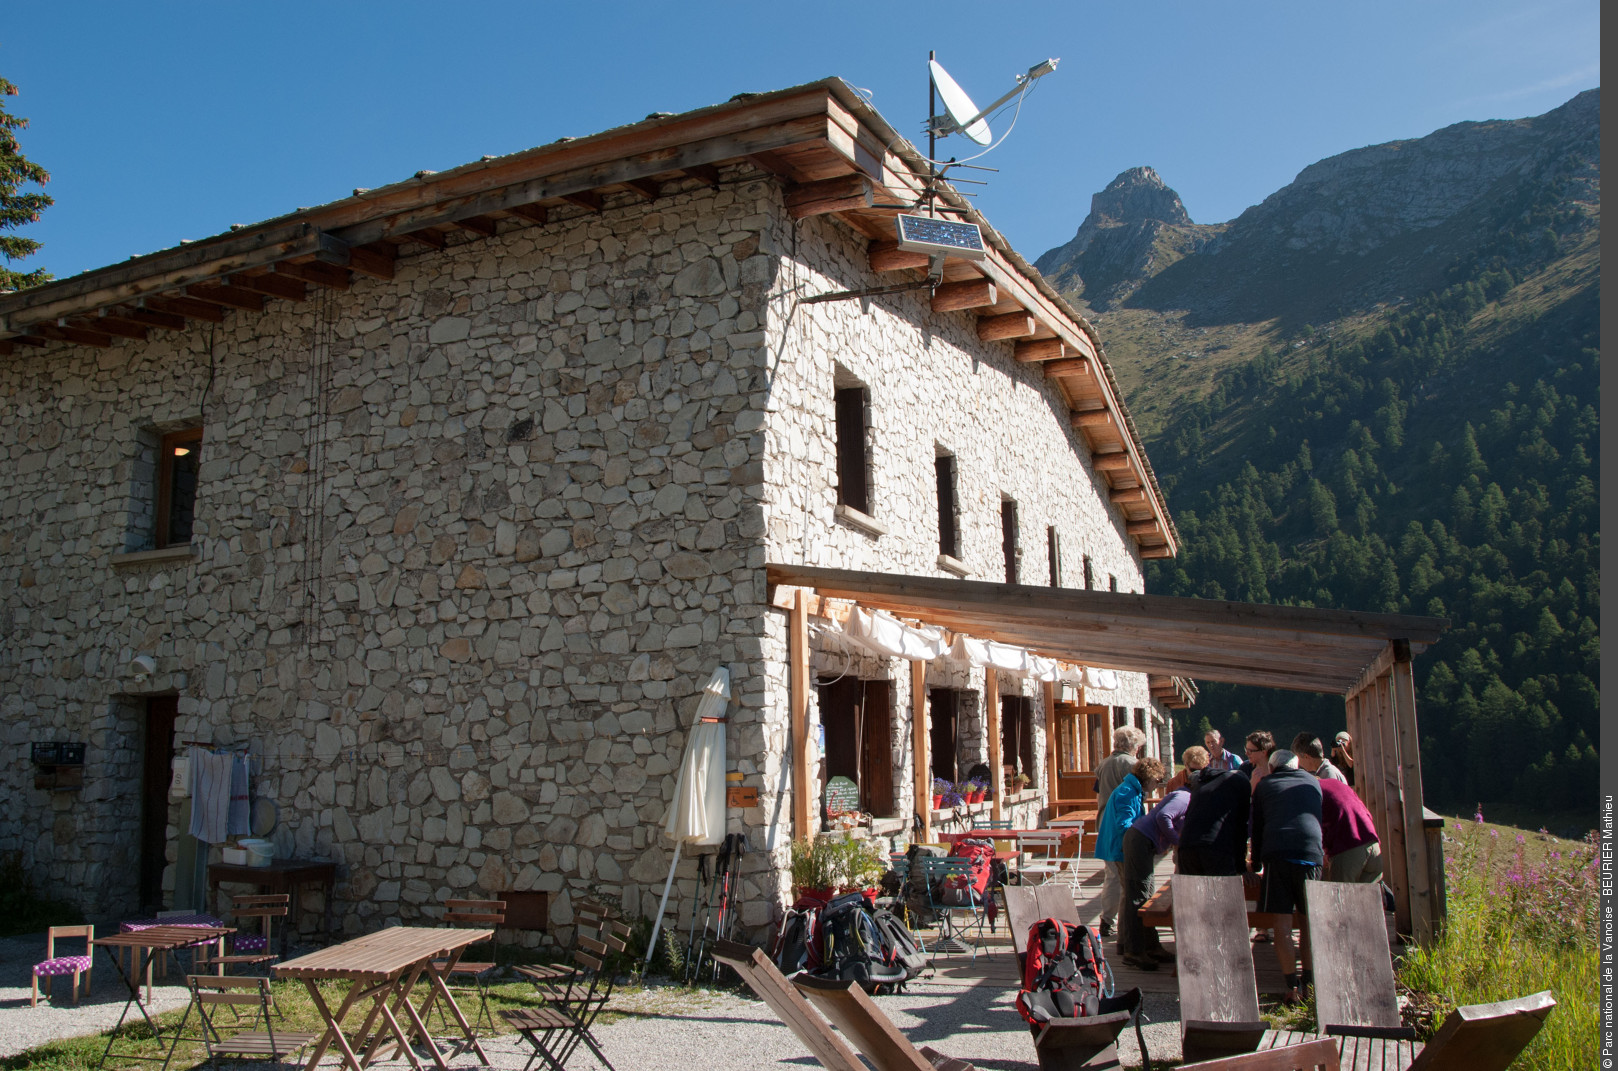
(697, 813)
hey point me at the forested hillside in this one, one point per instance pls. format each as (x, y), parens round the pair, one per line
(1437, 457)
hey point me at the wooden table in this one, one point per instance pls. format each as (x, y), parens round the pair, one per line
(384, 967)
(143, 946)
(281, 876)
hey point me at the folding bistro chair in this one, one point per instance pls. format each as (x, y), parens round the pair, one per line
(478, 914)
(1044, 860)
(587, 915)
(558, 1027)
(210, 993)
(249, 949)
(55, 965)
(943, 873)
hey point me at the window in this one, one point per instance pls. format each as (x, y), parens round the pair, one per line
(858, 717)
(1008, 537)
(853, 460)
(943, 722)
(949, 536)
(1017, 736)
(1053, 555)
(1089, 575)
(1112, 583)
(178, 458)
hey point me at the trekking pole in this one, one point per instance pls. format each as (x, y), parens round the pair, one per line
(727, 903)
(696, 906)
(721, 869)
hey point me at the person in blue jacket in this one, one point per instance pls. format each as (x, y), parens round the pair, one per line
(1127, 803)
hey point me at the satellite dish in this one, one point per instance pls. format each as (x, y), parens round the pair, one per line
(962, 112)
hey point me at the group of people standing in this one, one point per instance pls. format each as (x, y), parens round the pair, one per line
(1281, 815)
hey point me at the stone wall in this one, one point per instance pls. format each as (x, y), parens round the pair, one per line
(468, 544)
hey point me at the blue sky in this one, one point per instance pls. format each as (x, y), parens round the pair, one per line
(169, 121)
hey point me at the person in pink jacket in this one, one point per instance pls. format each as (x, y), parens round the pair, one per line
(1348, 835)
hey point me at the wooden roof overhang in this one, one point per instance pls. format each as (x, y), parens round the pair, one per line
(1290, 647)
(833, 152)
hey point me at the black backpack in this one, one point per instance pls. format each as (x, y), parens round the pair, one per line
(853, 949)
(900, 944)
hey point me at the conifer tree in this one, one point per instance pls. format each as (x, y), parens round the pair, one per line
(18, 208)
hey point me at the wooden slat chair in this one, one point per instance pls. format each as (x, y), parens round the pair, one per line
(1022, 911)
(858, 1018)
(1218, 988)
(1485, 1037)
(478, 914)
(557, 1028)
(249, 949)
(1353, 967)
(1317, 1055)
(55, 966)
(825, 1044)
(587, 916)
(1055, 901)
(210, 993)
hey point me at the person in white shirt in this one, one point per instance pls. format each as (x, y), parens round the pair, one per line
(1312, 757)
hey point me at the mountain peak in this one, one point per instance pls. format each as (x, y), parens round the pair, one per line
(1136, 196)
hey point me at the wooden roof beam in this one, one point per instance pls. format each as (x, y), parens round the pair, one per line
(533, 213)
(1040, 349)
(483, 226)
(1011, 325)
(885, 255)
(839, 194)
(650, 189)
(1092, 419)
(152, 318)
(589, 200)
(703, 173)
(971, 294)
(76, 335)
(1143, 528)
(229, 296)
(333, 278)
(274, 285)
(180, 305)
(1116, 461)
(430, 237)
(114, 325)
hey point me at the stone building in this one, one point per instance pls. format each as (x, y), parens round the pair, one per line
(444, 500)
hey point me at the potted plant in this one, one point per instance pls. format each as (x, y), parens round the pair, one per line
(1020, 782)
(940, 788)
(979, 789)
(953, 796)
(829, 865)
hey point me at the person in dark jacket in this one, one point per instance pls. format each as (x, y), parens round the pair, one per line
(1213, 840)
(1286, 847)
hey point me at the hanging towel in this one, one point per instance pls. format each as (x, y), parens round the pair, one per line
(210, 795)
(238, 824)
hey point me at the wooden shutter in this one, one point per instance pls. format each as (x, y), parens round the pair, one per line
(948, 535)
(876, 765)
(945, 706)
(1008, 538)
(840, 703)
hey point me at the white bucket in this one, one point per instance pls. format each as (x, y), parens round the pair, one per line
(259, 852)
(234, 856)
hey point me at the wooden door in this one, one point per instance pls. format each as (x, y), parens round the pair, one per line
(877, 752)
(157, 765)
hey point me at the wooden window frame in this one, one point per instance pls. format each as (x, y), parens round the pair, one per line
(1009, 537)
(1089, 574)
(165, 480)
(1053, 554)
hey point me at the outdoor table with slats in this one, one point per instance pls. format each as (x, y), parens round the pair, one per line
(144, 945)
(383, 967)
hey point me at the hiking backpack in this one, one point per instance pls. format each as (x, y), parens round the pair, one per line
(1065, 973)
(852, 948)
(798, 947)
(900, 944)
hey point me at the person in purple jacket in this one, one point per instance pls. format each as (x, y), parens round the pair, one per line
(1149, 836)
(1348, 835)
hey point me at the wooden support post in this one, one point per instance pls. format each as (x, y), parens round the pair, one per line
(1394, 858)
(991, 699)
(1048, 690)
(798, 653)
(921, 760)
(1423, 914)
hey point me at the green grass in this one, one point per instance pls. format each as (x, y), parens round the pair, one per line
(1522, 918)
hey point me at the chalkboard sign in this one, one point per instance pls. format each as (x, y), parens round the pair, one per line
(842, 796)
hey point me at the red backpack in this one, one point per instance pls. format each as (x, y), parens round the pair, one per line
(1064, 972)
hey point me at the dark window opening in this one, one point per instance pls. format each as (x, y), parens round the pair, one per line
(1008, 537)
(949, 541)
(943, 723)
(178, 459)
(1120, 717)
(853, 461)
(528, 910)
(1053, 553)
(157, 769)
(858, 718)
(1017, 737)
(1112, 583)
(1089, 574)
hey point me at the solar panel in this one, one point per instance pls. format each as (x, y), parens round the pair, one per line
(924, 234)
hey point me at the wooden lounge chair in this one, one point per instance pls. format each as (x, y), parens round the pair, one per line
(1055, 901)
(1317, 1055)
(1022, 911)
(1218, 989)
(1485, 1037)
(858, 1018)
(877, 1037)
(1352, 963)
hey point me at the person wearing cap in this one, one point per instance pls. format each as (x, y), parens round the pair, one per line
(1287, 850)
(1312, 757)
(1342, 753)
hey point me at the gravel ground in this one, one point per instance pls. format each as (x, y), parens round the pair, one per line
(656, 1028)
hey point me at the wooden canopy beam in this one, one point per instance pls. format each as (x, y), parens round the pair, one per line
(537, 214)
(839, 194)
(186, 307)
(589, 200)
(1011, 325)
(78, 335)
(482, 226)
(114, 325)
(972, 294)
(274, 285)
(332, 278)
(233, 297)
(1040, 349)
(649, 189)
(885, 255)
